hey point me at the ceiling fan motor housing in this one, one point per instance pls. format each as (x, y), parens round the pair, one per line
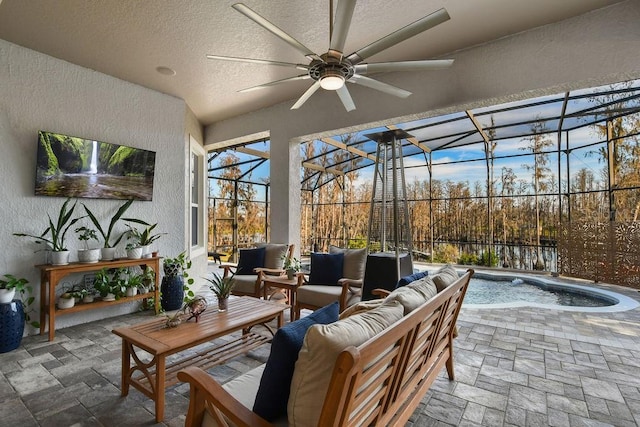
(329, 66)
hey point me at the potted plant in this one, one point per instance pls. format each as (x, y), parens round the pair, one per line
(108, 251)
(133, 251)
(110, 286)
(54, 235)
(148, 278)
(221, 287)
(173, 285)
(87, 255)
(133, 283)
(291, 265)
(14, 313)
(143, 238)
(66, 300)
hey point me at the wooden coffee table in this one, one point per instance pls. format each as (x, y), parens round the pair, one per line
(290, 287)
(152, 376)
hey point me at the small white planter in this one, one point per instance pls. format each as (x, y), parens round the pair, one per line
(59, 257)
(135, 253)
(109, 297)
(131, 292)
(108, 254)
(66, 302)
(87, 299)
(88, 256)
(146, 251)
(6, 295)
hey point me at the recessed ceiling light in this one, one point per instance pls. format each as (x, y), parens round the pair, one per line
(166, 71)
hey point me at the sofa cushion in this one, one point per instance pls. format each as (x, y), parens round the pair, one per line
(274, 254)
(318, 354)
(355, 261)
(326, 269)
(318, 295)
(414, 294)
(249, 260)
(273, 393)
(444, 277)
(245, 283)
(404, 281)
(361, 307)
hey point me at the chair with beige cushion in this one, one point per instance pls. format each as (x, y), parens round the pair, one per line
(265, 258)
(327, 283)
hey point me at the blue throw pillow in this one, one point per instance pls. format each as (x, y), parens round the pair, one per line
(326, 269)
(273, 392)
(250, 259)
(404, 281)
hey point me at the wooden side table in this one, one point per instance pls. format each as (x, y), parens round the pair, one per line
(289, 286)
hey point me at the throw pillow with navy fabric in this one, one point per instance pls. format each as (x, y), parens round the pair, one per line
(326, 269)
(250, 259)
(273, 392)
(404, 281)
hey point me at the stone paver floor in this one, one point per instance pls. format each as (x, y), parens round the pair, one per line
(514, 367)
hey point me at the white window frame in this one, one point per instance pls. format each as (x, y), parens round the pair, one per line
(197, 198)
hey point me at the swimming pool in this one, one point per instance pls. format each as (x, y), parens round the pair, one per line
(488, 290)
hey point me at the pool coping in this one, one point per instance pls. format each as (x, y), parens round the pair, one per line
(624, 302)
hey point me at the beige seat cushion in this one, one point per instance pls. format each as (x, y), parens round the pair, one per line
(274, 254)
(361, 307)
(355, 261)
(316, 359)
(318, 295)
(245, 283)
(444, 277)
(244, 388)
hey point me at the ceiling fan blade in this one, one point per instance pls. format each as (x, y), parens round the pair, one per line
(417, 27)
(344, 13)
(378, 85)
(383, 67)
(264, 23)
(259, 61)
(274, 83)
(345, 97)
(314, 87)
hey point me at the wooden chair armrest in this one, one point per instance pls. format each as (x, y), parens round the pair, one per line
(349, 287)
(269, 271)
(380, 293)
(228, 269)
(205, 390)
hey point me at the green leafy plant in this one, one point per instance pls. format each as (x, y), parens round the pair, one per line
(221, 286)
(21, 285)
(178, 266)
(54, 235)
(144, 237)
(291, 263)
(106, 235)
(85, 234)
(111, 282)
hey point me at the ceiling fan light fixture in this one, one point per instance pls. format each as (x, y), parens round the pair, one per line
(331, 81)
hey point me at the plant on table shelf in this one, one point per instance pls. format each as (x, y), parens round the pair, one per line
(22, 288)
(291, 265)
(107, 234)
(53, 237)
(87, 254)
(110, 282)
(221, 287)
(144, 237)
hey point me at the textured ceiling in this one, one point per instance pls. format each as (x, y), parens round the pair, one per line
(130, 39)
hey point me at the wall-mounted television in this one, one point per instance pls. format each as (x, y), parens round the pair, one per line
(68, 166)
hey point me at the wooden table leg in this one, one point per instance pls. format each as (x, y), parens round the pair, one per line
(159, 388)
(44, 282)
(53, 281)
(126, 368)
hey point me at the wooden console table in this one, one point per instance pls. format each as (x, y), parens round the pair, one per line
(50, 276)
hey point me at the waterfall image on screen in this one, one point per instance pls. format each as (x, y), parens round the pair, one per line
(69, 166)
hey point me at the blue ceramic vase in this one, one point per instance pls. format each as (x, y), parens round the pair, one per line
(11, 325)
(172, 289)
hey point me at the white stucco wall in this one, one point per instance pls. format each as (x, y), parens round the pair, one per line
(596, 48)
(38, 92)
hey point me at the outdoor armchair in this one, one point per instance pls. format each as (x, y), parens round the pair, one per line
(336, 276)
(265, 258)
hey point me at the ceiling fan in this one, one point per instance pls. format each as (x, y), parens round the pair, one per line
(332, 69)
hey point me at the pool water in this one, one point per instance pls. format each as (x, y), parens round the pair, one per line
(483, 291)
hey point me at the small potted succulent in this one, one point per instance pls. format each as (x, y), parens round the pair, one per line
(221, 287)
(134, 251)
(87, 255)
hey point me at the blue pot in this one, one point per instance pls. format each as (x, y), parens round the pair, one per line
(172, 289)
(11, 325)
